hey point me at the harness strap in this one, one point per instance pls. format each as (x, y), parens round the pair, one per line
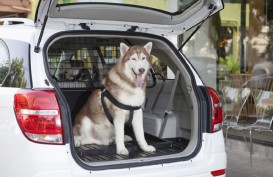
(106, 93)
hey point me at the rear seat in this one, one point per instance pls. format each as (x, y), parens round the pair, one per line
(157, 101)
(69, 74)
(166, 98)
(68, 69)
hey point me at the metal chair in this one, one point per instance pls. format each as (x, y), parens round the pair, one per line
(254, 113)
(237, 108)
(263, 96)
(260, 119)
(235, 97)
(264, 108)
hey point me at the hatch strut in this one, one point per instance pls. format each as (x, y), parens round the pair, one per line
(37, 47)
(212, 7)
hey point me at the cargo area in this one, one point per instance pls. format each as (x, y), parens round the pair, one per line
(77, 64)
(98, 153)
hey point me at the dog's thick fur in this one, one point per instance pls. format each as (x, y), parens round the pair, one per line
(126, 81)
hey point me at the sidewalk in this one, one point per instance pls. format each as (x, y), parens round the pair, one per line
(238, 160)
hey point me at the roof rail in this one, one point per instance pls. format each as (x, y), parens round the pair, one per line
(16, 21)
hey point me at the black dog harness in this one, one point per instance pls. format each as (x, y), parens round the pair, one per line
(106, 93)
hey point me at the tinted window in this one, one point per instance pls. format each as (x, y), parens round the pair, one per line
(18, 74)
(4, 61)
(173, 7)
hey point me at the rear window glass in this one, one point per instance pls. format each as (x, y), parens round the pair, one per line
(167, 6)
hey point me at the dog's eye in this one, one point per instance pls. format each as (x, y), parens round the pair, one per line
(143, 58)
(134, 59)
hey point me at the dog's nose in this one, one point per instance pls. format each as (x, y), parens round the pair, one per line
(141, 70)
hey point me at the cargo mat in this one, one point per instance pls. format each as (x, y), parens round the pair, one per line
(99, 153)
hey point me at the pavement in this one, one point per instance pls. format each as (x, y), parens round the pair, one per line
(239, 162)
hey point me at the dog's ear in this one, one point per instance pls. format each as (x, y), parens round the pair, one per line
(148, 47)
(123, 48)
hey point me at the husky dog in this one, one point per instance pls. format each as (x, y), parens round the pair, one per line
(126, 83)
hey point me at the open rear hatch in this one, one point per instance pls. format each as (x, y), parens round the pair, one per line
(163, 17)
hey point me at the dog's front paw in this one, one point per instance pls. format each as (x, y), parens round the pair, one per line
(123, 151)
(77, 141)
(148, 148)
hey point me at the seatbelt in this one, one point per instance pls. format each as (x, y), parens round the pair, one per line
(168, 111)
(154, 95)
(106, 93)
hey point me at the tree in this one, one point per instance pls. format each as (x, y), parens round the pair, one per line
(16, 75)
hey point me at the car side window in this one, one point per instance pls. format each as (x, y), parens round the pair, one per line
(161, 70)
(14, 67)
(4, 61)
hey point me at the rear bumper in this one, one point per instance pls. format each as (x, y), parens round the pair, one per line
(41, 160)
(211, 157)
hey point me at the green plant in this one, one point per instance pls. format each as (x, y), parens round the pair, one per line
(233, 65)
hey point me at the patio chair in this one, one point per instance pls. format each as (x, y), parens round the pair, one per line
(237, 110)
(255, 113)
(264, 108)
(263, 97)
(235, 97)
(248, 111)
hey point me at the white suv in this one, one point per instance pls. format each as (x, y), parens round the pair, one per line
(49, 67)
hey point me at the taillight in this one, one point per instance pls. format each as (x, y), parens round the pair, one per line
(39, 115)
(218, 172)
(217, 110)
